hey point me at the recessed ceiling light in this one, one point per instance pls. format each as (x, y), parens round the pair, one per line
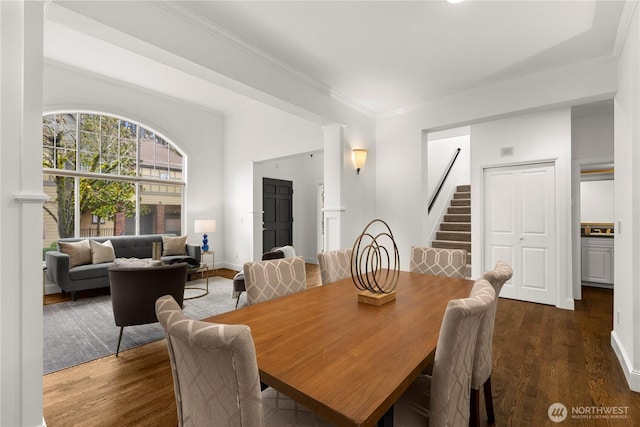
(454, 1)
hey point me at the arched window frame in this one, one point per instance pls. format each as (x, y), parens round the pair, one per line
(138, 179)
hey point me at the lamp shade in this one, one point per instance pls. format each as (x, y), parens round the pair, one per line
(205, 226)
(359, 158)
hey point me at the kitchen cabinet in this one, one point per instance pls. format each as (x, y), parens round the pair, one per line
(597, 260)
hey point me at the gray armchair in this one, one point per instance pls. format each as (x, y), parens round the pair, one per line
(135, 289)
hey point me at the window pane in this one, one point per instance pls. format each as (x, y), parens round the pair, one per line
(59, 210)
(128, 129)
(59, 141)
(110, 201)
(175, 164)
(110, 126)
(89, 152)
(160, 209)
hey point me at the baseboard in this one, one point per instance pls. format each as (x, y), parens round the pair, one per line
(632, 376)
(51, 288)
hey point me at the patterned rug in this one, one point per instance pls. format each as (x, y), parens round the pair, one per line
(79, 331)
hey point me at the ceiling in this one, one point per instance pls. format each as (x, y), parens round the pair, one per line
(382, 55)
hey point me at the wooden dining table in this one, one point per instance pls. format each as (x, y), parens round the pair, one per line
(348, 361)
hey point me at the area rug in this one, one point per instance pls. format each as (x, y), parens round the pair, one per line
(79, 331)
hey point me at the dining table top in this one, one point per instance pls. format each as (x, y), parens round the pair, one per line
(345, 360)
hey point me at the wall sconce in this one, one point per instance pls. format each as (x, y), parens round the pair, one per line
(205, 226)
(359, 156)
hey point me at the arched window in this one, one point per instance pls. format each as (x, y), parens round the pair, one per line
(108, 176)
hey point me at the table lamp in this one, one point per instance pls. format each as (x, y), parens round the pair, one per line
(205, 226)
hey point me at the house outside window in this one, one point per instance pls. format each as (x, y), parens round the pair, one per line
(108, 176)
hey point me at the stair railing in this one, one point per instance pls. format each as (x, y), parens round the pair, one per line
(433, 199)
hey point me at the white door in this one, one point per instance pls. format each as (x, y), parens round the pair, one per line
(519, 228)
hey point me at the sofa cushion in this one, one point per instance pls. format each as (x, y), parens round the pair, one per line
(134, 246)
(89, 271)
(102, 252)
(174, 245)
(79, 252)
(174, 259)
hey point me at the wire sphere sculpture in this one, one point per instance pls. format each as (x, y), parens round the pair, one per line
(375, 268)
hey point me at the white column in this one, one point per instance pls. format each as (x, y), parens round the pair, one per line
(333, 169)
(21, 198)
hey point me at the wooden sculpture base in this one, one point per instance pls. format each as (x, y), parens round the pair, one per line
(370, 298)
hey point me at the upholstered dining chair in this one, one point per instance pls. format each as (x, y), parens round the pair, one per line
(439, 262)
(215, 376)
(266, 280)
(442, 399)
(334, 265)
(238, 280)
(483, 359)
(135, 289)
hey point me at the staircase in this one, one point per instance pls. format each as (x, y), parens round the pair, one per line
(455, 229)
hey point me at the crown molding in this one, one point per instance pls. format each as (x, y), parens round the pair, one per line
(184, 13)
(624, 24)
(353, 104)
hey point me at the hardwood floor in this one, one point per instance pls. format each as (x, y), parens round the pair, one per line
(542, 355)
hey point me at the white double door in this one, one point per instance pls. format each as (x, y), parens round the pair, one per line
(520, 229)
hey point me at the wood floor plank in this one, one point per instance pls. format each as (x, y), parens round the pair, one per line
(542, 355)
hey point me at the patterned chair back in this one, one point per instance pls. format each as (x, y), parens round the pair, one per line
(439, 262)
(483, 360)
(334, 265)
(266, 280)
(453, 362)
(215, 373)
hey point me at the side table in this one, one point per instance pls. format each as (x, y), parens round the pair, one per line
(203, 269)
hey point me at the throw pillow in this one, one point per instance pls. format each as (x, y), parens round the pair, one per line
(79, 252)
(102, 252)
(174, 245)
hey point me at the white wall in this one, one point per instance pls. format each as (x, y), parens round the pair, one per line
(597, 203)
(399, 137)
(254, 134)
(592, 136)
(259, 132)
(535, 137)
(625, 338)
(305, 171)
(198, 133)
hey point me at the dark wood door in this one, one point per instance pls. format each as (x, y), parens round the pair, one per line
(277, 219)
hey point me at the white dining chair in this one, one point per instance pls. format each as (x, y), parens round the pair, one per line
(439, 262)
(266, 280)
(483, 359)
(334, 265)
(442, 398)
(216, 379)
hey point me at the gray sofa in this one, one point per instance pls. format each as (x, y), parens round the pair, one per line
(92, 276)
